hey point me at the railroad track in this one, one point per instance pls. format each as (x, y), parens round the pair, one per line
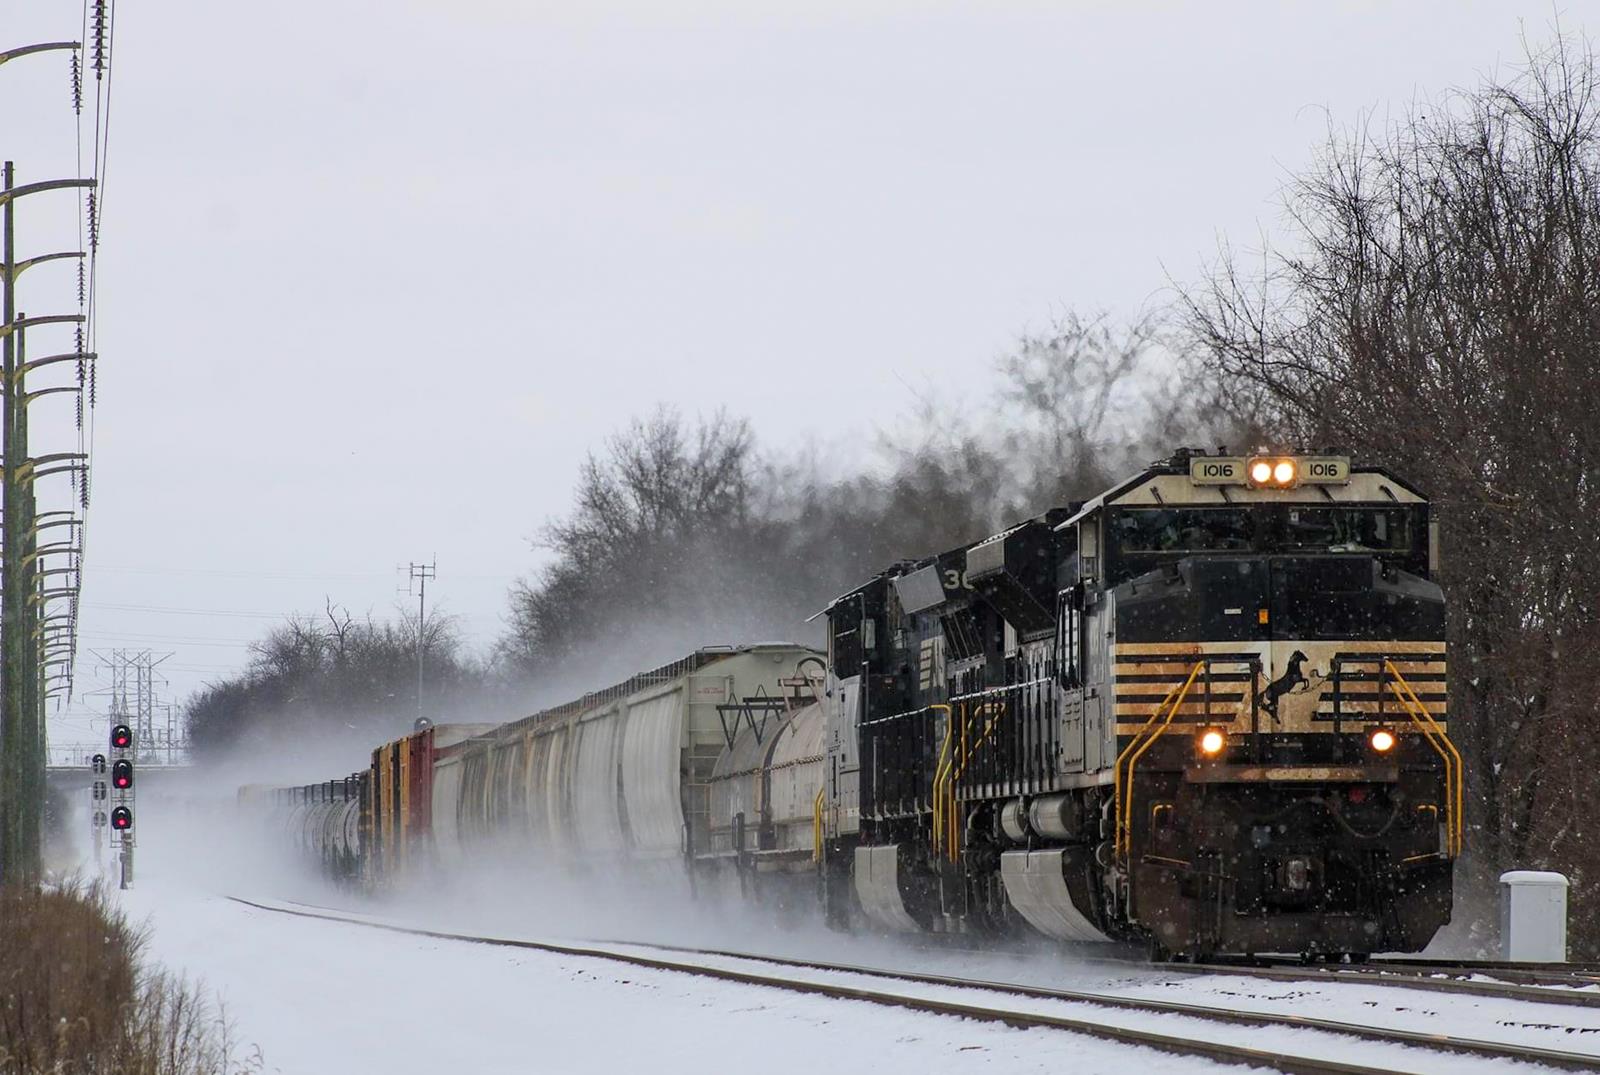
(1539, 982)
(1540, 986)
(1514, 981)
(1225, 1052)
(1571, 974)
(1439, 975)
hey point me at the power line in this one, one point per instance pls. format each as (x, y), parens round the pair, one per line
(223, 643)
(280, 575)
(176, 611)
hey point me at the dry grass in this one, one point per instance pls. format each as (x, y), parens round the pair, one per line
(76, 1000)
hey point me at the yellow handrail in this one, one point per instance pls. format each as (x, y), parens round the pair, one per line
(816, 823)
(944, 783)
(1454, 768)
(997, 709)
(1116, 769)
(952, 810)
(1136, 750)
(938, 776)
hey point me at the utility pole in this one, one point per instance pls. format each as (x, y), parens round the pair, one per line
(420, 574)
(33, 641)
(22, 740)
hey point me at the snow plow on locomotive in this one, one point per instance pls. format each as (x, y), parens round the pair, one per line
(1204, 711)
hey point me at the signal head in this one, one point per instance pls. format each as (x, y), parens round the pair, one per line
(121, 737)
(121, 818)
(97, 764)
(122, 775)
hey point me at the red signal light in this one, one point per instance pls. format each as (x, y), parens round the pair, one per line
(122, 819)
(122, 775)
(121, 737)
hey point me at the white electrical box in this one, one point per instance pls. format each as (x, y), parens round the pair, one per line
(1533, 917)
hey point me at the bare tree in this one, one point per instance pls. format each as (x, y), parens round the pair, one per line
(656, 519)
(1438, 307)
(1073, 390)
(310, 675)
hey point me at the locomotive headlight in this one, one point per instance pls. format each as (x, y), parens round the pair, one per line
(1283, 471)
(1261, 472)
(1212, 741)
(1381, 740)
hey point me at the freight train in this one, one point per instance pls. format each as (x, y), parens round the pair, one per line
(1204, 711)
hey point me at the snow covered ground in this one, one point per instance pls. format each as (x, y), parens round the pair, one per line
(320, 996)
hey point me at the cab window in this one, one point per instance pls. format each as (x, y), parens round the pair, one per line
(1142, 539)
(1182, 530)
(1346, 529)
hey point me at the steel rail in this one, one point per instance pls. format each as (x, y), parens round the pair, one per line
(1531, 973)
(1419, 978)
(1125, 1035)
(1546, 977)
(1437, 1042)
(1510, 975)
(1406, 968)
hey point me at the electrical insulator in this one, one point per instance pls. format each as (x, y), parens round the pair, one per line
(99, 24)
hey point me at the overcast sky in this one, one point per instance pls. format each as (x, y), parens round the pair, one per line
(375, 276)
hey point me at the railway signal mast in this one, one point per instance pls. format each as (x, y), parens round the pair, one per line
(98, 795)
(122, 751)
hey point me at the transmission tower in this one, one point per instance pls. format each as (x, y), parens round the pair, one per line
(133, 694)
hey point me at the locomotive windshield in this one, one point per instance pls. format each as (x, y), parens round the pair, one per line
(1344, 529)
(1141, 539)
(1182, 530)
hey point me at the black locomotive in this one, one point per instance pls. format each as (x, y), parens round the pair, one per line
(1205, 709)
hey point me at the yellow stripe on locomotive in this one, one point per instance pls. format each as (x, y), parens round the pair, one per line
(1279, 686)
